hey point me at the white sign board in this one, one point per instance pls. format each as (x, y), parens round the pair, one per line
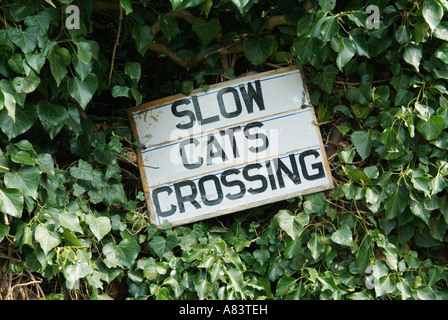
(241, 144)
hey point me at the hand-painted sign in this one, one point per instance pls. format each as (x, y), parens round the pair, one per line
(241, 144)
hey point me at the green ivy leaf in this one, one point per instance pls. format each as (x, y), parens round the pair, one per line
(433, 13)
(413, 55)
(316, 246)
(123, 254)
(46, 238)
(342, 236)
(142, 36)
(70, 221)
(292, 225)
(304, 49)
(169, 26)
(347, 50)
(206, 30)
(431, 128)
(326, 79)
(11, 202)
(126, 5)
(82, 91)
(26, 179)
(160, 245)
(26, 117)
(26, 40)
(52, 117)
(395, 204)
(327, 5)
(362, 140)
(258, 49)
(25, 84)
(100, 226)
(83, 171)
(59, 59)
(284, 285)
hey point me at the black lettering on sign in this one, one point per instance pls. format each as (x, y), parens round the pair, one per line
(234, 183)
(259, 177)
(271, 175)
(203, 192)
(230, 133)
(252, 95)
(222, 106)
(280, 167)
(155, 199)
(182, 145)
(182, 113)
(320, 173)
(214, 150)
(255, 136)
(181, 199)
(198, 111)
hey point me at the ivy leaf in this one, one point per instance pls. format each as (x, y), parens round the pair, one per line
(176, 3)
(59, 59)
(123, 254)
(74, 272)
(243, 5)
(236, 278)
(329, 28)
(70, 221)
(433, 13)
(84, 51)
(26, 179)
(413, 55)
(25, 84)
(46, 238)
(100, 226)
(431, 128)
(284, 285)
(359, 39)
(327, 5)
(347, 50)
(52, 117)
(82, 91)
(143, 36)
(26, 117)
(395, 204)
(362, 140)
(292, 225)
(304, 49)
(258, 49)
(169, 26)
(442, 53)
(126, 5)
(160, 245)
(316, 246)
(11, 202)
(83, 171)
(363, 254)
(326, 79)
(26, 40)
(342, 236)
(4, 231)
(206, 31)
(45, 163)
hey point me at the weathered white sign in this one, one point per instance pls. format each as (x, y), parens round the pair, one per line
(241, 144)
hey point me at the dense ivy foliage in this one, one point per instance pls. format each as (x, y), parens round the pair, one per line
(74, 223)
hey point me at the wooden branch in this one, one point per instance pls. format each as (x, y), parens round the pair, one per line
(163, 49)
(117, 40)
(276, 21)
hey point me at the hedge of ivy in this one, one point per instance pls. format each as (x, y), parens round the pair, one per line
(74, 223)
